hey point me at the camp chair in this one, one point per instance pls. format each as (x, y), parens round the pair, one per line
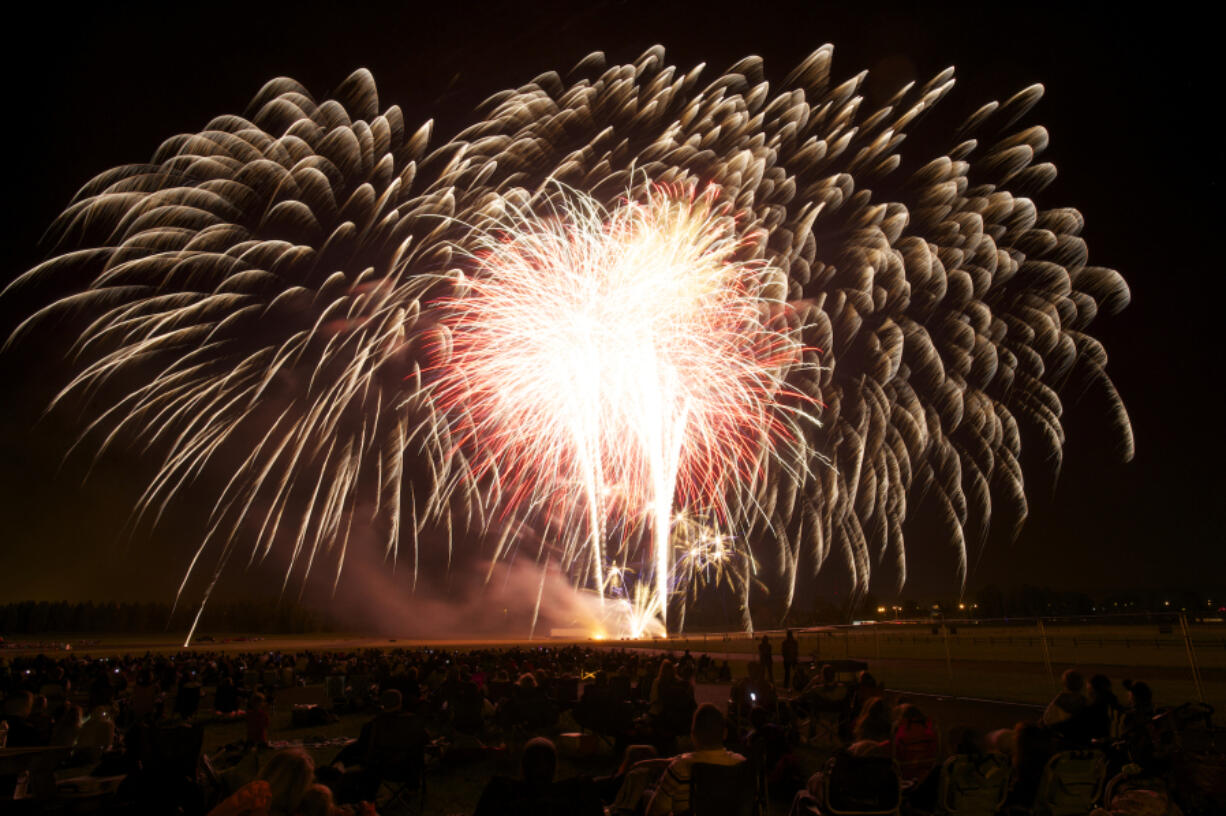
(1071, 783)
(862, 786)
(973, 785)
(566, 691)
(828, 710)
(917, 751)
(468, 713)
(722, 790)
(397, 755)
(334, 687)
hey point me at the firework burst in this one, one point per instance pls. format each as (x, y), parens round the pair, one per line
(314, 304)
(605, 367)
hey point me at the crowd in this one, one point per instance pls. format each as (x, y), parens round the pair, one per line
(135, 726)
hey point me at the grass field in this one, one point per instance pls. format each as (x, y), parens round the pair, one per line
(993, 661)
(983, 676)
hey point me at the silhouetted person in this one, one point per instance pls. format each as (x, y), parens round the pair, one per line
(766, 659)
(791, 654)
(537, 794)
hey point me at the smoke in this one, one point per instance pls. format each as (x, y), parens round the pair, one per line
(520, 599)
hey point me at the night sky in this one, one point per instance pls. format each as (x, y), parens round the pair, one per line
(1129, 102)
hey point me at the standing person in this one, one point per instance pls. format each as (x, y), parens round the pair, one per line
(765, 658)
(791, 654)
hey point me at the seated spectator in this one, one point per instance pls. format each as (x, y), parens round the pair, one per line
(258, 720)
(1135, 727)
(40, 720)
(279, 789)
(828, 702)
(915, 744)
(1102, 709)
(22, 734)
(537, 794)
(187, 698)
(97, 734)
(610, 786)
(391, 738)
(753, 690)
(771, 749)
(867, 688)
(226, 699)
(1032, 747)
(871, 732)
(665, 679)
(1068, 702)
(146, 695)
(673, 793)
(67, 726)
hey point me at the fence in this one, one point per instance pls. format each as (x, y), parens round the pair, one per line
(1014, 659)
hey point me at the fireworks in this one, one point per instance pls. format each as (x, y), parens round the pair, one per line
(627, 358)
(340, 320)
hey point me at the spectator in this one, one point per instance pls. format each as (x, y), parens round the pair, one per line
(279, 790)
(17, 707)
(1103, 708)
(871, 732)
(226, 699)
(257, 721)
(67, 727)
(1032, 748)
(771, 749)
(146, 695)
(1068, 702)
(97, 734)
(791, 653)
(665, 680)
(537, 793)
(866, 688)
(707, 732)
(766, 659)
(1135, 723)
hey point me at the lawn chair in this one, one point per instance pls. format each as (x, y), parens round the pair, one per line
(334, 688)
(566, 691)
(862, 786)
(917, 750)
(722, 790)
(397, 755)
(973, 785)
(829, 709)
(1071, 784)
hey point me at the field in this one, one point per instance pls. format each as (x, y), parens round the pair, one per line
(1014, 662)
(982, 675)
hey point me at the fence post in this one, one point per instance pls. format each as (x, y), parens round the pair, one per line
(1187, 642)
(1046, 651)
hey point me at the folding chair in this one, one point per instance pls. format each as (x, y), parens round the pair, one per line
(397, 755)
(1071, 783)
(722, 790)
(862, 786)
(917, 750)
(973, 786)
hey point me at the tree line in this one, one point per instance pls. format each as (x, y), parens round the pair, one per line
(259, 617)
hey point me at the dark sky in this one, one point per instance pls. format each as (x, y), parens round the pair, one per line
(1129, 100)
